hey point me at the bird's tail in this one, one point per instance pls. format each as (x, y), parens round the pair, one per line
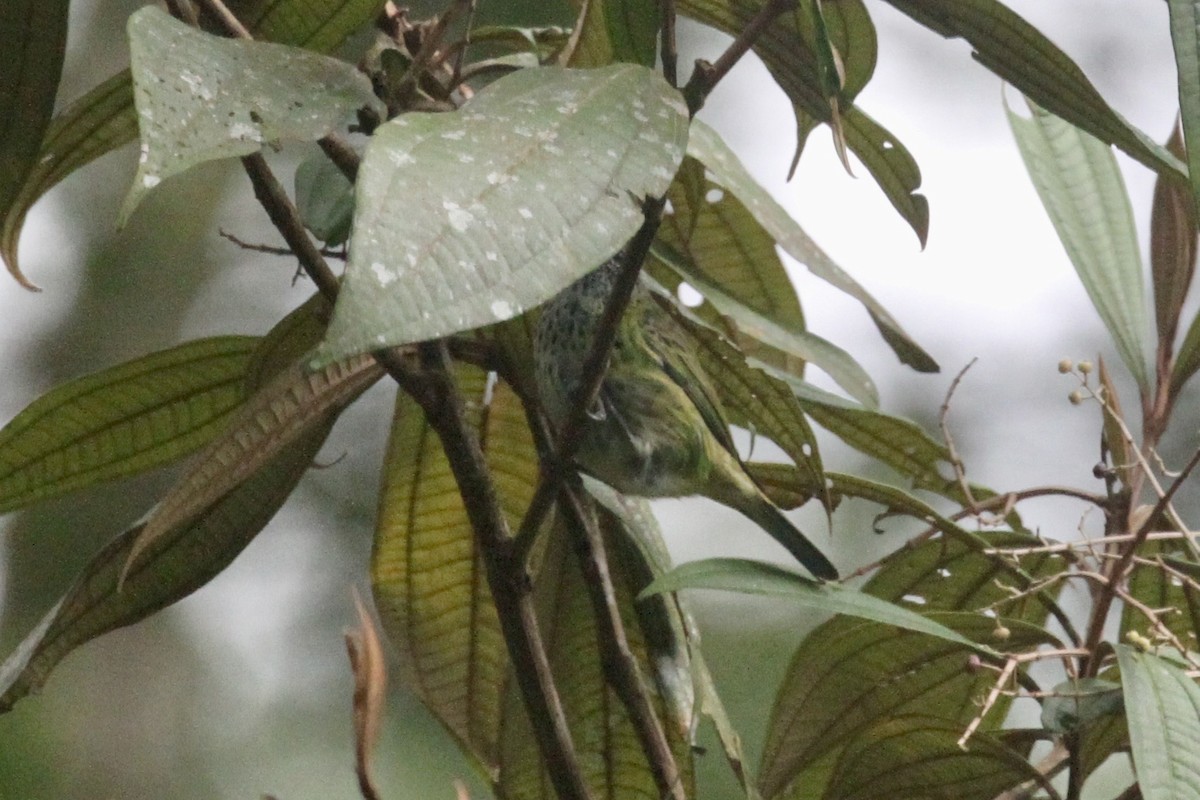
(772, 520)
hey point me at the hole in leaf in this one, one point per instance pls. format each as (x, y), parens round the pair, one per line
(688, 295)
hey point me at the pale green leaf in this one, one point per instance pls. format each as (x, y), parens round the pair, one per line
(1185, 38)
(123, 420)
(1079, 703)
(105, 117)
(1077, 178)
(200, 97)
(34, 33)
(1162, 706)
(706, 146)
(325, 199)
(1020, 54)
(106, 596)
(753, 577)
(548, 169)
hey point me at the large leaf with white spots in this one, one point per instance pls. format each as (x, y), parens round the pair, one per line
(200, 97)
(470, 217)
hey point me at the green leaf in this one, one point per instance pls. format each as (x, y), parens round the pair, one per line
(105, 117)
(1078, 703)
(1185, 38)
(718, 235)
(200, 97)
(1154, 586)
(34, 34)
(548, 166)
(848, 674)
(430, 587)
(1162, 706)
(1017, 52)
(892, 167)
(100, 121)
(915, 757)
(1077, 178)
(618, 31)
(809, 347)
(283, 410)
(791, 48)
(123, 420)
(541, 42)
(894, 498)
(753, 577)
(897, 442)
(320, 25)
(325, 199)
(106, 597)
(705, 145)
(1187, 361)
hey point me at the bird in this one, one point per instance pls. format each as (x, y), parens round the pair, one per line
(656, 427)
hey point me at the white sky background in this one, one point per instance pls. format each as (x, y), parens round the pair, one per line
(993, 282)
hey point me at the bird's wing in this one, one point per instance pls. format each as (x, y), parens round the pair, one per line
(677, 356)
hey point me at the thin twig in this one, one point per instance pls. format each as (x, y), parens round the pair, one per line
(227, 19)
(620, 665)
(1062, 547)
(271, 250)
(438, 396)
(184, 10)
(591, 376)
(705, 76)
(1108, 593)
(1006, 673)
(670, 50)
(956, 462)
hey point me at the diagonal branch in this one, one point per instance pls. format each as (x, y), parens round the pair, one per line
(706, 76)
(554, 468)
(620, 665)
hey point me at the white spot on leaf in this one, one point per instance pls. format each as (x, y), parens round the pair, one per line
(460, 218)
(382, 273)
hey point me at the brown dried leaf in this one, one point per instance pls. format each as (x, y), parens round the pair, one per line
(370, 690)
(1172, 247)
